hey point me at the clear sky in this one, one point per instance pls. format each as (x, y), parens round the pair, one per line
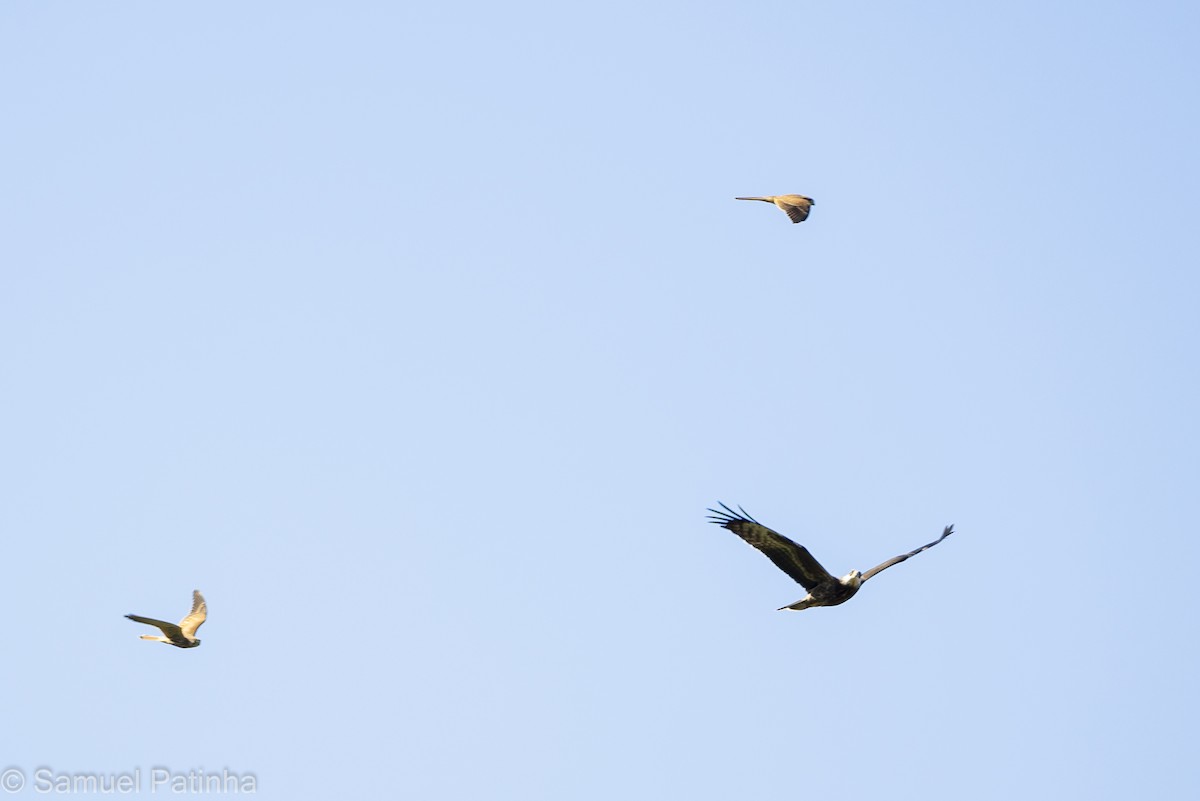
(420, 336)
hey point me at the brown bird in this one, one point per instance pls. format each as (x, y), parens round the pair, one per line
(794, 206)
(183, 635)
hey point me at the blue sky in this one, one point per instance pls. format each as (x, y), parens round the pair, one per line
(419, 338)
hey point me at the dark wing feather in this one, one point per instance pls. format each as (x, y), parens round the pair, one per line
(895, 560)
(797, 214)
(793, 559)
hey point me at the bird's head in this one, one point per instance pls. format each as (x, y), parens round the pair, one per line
(852, 579)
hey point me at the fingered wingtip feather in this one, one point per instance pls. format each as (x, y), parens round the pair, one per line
(729, 515)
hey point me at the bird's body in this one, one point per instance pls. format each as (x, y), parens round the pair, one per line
(183, 635)
(830, 593)
(795, 560)
(795, 206)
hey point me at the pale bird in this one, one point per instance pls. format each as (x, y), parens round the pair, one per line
(794, 206)
(797, 562)
(183, 635)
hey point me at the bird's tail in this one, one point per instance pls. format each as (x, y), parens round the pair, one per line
(763, 199)
(803, 603)
(154, 637)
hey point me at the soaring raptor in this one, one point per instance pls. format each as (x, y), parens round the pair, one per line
(795, 206)
(183, 635)
(797, 562)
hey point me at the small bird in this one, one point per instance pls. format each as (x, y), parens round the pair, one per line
(795, 206)
(797, 562)
(183, 635)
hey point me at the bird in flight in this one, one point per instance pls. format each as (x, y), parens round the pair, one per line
(183, 635)
(797, 562)
(795, 206)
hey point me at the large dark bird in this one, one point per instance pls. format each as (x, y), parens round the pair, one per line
(797, 562)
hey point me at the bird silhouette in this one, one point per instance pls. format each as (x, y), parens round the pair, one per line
(823, 588)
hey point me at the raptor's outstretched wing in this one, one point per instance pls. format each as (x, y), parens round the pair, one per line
(197, 616)
(171, 631)
(793, 559)
(895, 560)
